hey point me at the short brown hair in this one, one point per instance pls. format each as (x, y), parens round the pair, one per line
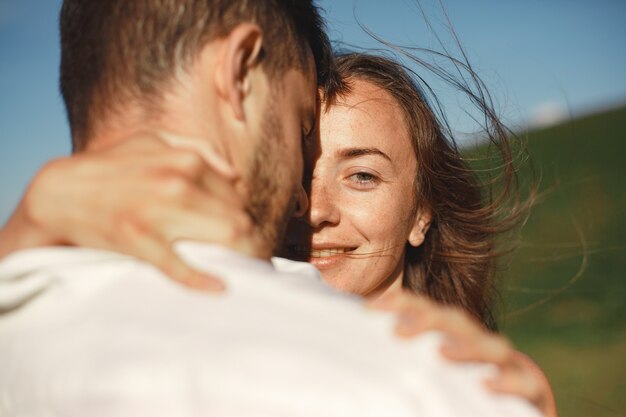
(116, 50)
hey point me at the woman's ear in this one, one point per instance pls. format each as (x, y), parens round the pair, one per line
(420, 227)
(241, 53)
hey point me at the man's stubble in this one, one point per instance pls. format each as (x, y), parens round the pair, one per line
(271, 199)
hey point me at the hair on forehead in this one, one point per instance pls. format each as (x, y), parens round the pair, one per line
(114, 51)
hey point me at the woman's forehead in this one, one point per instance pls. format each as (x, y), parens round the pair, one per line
(368, 115)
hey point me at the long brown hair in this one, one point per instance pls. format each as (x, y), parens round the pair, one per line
(456, 262)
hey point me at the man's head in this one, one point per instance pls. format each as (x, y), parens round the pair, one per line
(116, 50)
(237, 69)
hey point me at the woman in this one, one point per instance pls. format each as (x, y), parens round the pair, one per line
(392, 205)
(422, 212)
(382, 219)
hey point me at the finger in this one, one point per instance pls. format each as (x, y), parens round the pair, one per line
(153, 250)
(484, 348)
(170, 209)
(190, 156)
(196, 217)
(224, 227)
(179, 202)
(517, 382)
(182, 166)
(150, 155)
(204, 148)
(416, 319)
(159, 253)
(135, 142)
(222, 191)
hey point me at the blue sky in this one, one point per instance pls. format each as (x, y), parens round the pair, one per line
(539, 59)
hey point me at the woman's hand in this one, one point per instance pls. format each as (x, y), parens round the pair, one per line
(136, 197)
(468, 341)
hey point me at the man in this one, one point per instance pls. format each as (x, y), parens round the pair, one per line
(92, 333)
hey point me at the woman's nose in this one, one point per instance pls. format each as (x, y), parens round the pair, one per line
(323, 208)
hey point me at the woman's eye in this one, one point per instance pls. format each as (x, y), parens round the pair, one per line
(364, 179)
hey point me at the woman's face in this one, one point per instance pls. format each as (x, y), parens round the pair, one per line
(362, 195)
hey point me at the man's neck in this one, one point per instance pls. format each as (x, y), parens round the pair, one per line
(243, 239)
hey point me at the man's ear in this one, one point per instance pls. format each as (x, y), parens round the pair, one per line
(420, 226)
(242, 52)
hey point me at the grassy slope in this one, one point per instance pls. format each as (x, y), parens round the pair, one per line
(571, 266)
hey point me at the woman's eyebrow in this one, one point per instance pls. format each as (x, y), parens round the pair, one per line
(356, 152)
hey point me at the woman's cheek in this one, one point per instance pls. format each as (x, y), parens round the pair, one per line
(362, 210)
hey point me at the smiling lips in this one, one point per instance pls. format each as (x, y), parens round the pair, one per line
(323, 252)
(323, 257)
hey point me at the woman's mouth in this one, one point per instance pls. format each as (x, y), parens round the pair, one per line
(308, 252)
(322, 257)
(323, 253)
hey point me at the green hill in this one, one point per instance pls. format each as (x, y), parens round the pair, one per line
(565, 291)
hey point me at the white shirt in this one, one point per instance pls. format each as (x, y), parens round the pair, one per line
(86, 333)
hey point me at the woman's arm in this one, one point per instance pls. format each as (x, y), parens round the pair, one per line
(468, 341)
(137, 197)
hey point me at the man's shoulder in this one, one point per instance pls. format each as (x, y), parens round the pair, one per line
(264, 337)
(245, 274)
(66, 263)
(62, 277)
(31, 260)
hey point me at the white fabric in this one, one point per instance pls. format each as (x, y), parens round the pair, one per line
(90, 333)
